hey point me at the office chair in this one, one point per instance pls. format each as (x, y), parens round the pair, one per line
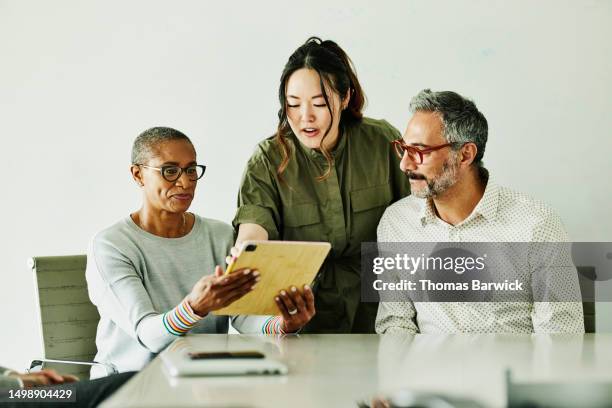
(67, 318)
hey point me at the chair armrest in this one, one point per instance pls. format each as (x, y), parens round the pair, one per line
(36, 365)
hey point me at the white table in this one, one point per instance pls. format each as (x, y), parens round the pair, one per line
(339, 370)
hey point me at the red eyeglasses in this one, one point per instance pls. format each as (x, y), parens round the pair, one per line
(415, 154)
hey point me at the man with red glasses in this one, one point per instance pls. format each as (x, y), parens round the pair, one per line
(454, 199)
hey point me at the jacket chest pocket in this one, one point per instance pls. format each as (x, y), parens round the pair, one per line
(302, 222)
(367, 206)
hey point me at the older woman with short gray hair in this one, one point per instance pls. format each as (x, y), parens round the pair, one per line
(156, 274)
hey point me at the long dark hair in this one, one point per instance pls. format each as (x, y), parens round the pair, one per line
(335, 71)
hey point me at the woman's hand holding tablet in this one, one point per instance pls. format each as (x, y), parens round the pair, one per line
(216, 291)
(296, 307)
(287, 269)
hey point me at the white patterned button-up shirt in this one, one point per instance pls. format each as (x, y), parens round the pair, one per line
(502, 215)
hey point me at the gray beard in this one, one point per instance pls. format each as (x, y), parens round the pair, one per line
(442, 182)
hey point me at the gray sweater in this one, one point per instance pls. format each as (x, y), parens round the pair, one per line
(134, 277)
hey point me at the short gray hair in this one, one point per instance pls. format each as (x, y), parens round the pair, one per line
(462, 121)
(146, 142)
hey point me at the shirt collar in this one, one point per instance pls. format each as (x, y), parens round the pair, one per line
(489, 203)
(427, 213)
(486, 207)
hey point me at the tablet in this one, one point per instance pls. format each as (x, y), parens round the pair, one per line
(180, 364)
(281, 264)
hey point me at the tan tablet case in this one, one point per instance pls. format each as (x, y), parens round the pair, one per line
(282, 264)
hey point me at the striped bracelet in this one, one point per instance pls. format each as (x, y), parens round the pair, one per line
(181, 319)
(272, 326)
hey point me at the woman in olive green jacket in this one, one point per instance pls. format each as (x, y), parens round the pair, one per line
(327, 175)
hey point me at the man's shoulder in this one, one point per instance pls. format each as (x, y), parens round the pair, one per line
(538, 220)
(409, 205)
(404, 212)
(522, 205)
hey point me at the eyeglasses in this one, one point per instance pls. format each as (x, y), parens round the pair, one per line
(173, 173)
(416, 154)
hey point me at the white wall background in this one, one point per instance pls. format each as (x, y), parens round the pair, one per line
(79, 80)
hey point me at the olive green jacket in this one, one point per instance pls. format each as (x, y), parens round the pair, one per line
(344, 209)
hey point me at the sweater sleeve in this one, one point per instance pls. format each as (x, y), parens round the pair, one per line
(118, 291)
(254, 324)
